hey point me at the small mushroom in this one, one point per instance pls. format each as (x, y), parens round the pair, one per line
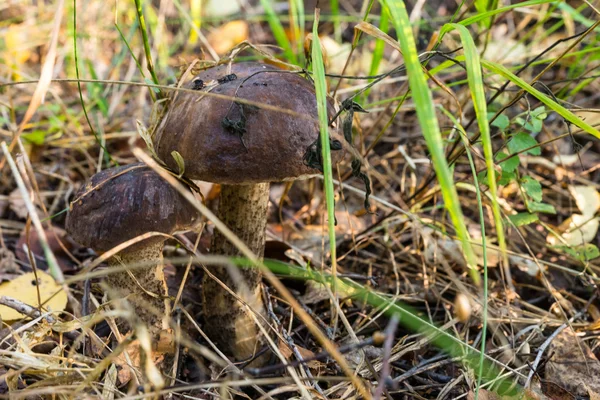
(244, 148)
(120, 204)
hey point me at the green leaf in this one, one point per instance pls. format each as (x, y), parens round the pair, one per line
(584, 253)
(534, 206)
(501, 122)
(510, 165)
(533, 125)
(539, 113)
(522, 141)
(506, 178)
(532, 187)
(35, 137)
(522, 219)
(180, 162)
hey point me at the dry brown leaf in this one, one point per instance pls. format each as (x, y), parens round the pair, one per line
(573, 367)
(24, 289)
(125, 370)
(227, 36)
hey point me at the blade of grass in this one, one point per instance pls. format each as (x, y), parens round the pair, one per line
(278, 31)
(378, 51)
(486, 15)
(334, 5)
(428, 120)
(321, 93)
(298, 22)
(146, 41)
(407, 315)
(547, 101)
(476, 86)
(484, 295)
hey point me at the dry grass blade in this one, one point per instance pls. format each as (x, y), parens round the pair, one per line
(273, 280)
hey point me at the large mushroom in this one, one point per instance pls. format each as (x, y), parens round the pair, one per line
(120, 204)
(244, 148)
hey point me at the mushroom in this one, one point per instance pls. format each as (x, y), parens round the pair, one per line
(120, 204)
(244, 148)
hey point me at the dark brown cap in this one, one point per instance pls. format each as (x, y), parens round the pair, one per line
(119, 204)
(227, 142)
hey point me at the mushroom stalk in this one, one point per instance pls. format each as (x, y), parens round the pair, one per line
(144, 287)
(243, 208)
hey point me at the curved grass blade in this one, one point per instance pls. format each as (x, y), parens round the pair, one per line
(547, 101)
(429, 124)
(471, 357)
(475, 79)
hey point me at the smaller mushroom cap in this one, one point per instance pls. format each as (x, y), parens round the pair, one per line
(119, 204)
(224, 141)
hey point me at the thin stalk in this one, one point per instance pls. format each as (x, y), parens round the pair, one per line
(140, 13)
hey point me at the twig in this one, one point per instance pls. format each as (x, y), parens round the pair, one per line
(387, 350)
(24, 308)
(544, 345)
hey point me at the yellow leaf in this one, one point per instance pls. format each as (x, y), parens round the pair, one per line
(227, 36)
(24, 289)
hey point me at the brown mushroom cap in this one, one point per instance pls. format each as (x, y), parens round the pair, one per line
(119, 204)
(207, 131)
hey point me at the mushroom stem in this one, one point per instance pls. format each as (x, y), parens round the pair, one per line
(243, 208)
(144, 287)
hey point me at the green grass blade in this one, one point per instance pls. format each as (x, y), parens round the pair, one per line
(146, 41)
(278, 31)
(547, 101)
(379, 50)
(487, 15)
(471, 357)
(484, 294)
(298, 22)
(335, 13)
(429, 124)
(476, 86)
(321, 91)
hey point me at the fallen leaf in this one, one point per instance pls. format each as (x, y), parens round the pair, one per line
(125, 369)
(227, 36)
(565, 159)
(58, 240)
(575, 231)
(573, 367)
(24, 289)
(17, 204)
(587, 199)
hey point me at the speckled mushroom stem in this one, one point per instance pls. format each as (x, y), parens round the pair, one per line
(243, 208)
(145, 288)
